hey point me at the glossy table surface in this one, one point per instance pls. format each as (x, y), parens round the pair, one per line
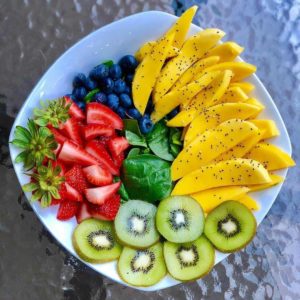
(33, 33)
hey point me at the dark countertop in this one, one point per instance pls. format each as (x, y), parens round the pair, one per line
(33, 33)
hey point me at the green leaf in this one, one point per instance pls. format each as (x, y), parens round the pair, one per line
(175, 149)
(20, 144)
(44, 132)
(133, 152)
(135, 140)
(21, 157)
(30, 187)
(175, 136)
(45, 202)
(23, 134)
(41, 122)
(91, 95)
(133, 126)
(122, 191)
(108, 63)
(32, 127)
(54, 192)
(36, 196)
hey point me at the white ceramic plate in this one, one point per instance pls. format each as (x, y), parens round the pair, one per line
(112, 42)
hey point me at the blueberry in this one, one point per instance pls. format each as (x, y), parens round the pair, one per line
(99, 72)
(133, 113)
(81, 105)
(127, 90)
(100, 98)
(125, 100)
(146, 124)
(121, 112)
(107, 85)
(71, 96)
(79, 80)
(90, 84)
(173, 113)
(79, 93)
(120, 86)
(128, 63)
(115, 72)
(129, 78)
(113, 101)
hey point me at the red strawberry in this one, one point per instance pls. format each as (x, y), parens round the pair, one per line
(106, 211)
(117, 145)
(97, 150)
(91, 131)
(100, 194)
(97, 113)
(72, 194)
(57, 150)
(103, 140)
(83, 213)
(58, 136)
(67, 210)
(98, 175)
(55, 201)
(119, 159)
(72, 130)
(74, 154)
(76, 179)
(62, 166)
(74, 110)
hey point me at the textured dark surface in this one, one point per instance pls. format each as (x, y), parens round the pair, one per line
(33, 33)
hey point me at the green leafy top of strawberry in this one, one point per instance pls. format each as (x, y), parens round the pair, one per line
(46, 184)
(52, 112)
(36, 142)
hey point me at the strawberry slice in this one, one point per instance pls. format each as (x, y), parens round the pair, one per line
(100, 194)
(67, 210)
(74, 154)
(97, 113)
(119, 159)
(72, 194)
(106, 211)
(83, 213)
(76, 179)
(103, 140)
(57, 150)
(91, 131)
(98, 175)
(58, 136)
(74, 110)
(96, 149)
(117, 145)
(72, 130)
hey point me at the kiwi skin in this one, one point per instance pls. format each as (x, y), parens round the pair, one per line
(246, 243)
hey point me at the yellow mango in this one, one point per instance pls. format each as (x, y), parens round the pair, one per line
(209, 145)
(192, 50)
(147, 73)
(241, 148)
(183, 118)
(238, 171)
(240, 70)
(209, 199)
(270, 156)
(234, 94)
(227, 51)
(196, 68)
(254, 101)
(184, 130)
(174, 98)
(249, 202)
(258, 187)
(211, 94)
(214, 115)
(247, 87)
(147, 48)
(268, 126)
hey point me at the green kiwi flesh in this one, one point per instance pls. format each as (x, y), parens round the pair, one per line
(94, 241)
(230, 226)
(180, 219)
(144, 267)
(189, 261)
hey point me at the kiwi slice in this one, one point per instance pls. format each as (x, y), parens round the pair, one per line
(142, 267)
(95, 241)
(180, 219)
(135, 224)
(189, 261)
(230, 226)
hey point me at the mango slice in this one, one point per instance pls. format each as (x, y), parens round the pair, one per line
(227, 51)
(270, 156)
(240, 70)
(147, 73)
(247, 87)
(238, 171)
(268, 126)
(249, 202)
(196, 68)
(192, 50)
(213, 116)
(258, 187)
(209, 199)
(234, 94)
(210, 95)
(174, 98)
(147, 48)
(183, 118)
(209, 145)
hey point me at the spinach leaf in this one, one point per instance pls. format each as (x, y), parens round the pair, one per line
(175, 136)
(175, 149)
(133, 126)
(135, 140)
(133, 152)
(147, 177)
(122, 191)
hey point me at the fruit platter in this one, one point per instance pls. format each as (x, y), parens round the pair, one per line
(151, 152)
